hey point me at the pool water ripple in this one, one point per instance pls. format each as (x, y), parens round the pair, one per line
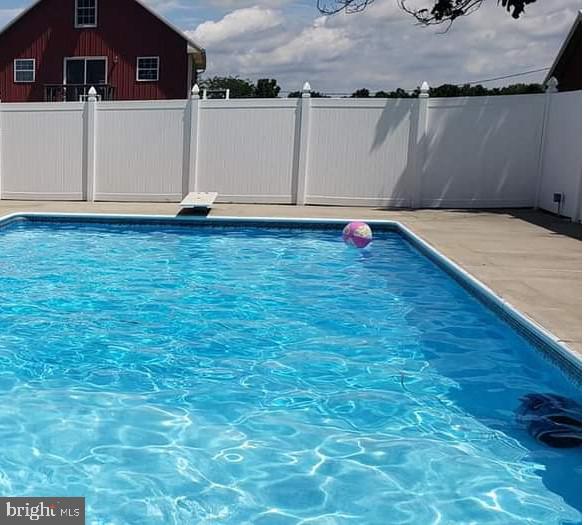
(269, 377)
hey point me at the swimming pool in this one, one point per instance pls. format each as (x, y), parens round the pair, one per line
(178, 373)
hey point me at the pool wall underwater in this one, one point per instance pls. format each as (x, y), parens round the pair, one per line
(548, 344)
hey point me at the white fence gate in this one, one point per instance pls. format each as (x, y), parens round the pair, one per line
(507, 151)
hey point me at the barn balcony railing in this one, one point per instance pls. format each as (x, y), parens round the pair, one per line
(76, 92)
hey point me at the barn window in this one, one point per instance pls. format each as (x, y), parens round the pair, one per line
(147, 69)
(24, 70)
(85, 13)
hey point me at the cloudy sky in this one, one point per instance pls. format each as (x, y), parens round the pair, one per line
(380, 48)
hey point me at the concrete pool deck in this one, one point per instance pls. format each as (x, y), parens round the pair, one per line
(531, 259)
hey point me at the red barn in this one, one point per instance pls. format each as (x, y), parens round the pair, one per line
(57, 49)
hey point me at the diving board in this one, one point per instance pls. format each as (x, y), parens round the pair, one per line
(198, 200)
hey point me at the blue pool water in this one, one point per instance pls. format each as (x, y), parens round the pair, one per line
(270, 377)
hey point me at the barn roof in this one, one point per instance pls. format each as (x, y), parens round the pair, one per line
(193, 47)
(570, 55)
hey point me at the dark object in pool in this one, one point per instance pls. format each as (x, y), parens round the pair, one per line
(552, 419)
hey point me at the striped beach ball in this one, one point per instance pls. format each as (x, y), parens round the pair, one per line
(357, 234)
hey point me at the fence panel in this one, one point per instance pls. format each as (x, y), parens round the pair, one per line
(42, 151)
(460, 153)
(247, 149)
(562, 155)
(358, 152)
(482, 151)
(140, 148)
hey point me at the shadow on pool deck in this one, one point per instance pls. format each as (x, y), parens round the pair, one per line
(549, 221)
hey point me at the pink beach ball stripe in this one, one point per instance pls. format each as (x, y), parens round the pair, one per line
(357, 234)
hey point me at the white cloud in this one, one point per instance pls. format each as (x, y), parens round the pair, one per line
(240, 23)
(232, 4)
(315, 44)
(382, 48)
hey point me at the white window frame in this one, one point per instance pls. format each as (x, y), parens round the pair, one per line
(33, 60)
(82, 26)
(138, 79)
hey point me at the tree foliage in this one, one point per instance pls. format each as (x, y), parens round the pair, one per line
(437, 12)
(240, 87)
(449, 10)
(267, 88)
(451, 90)
(361, 93)
(477, 90)
(313, 94)
(398, 93)
(519, 89)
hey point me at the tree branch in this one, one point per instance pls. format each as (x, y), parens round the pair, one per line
(331, 7)
(442, 11)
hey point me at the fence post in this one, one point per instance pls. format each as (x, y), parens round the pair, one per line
(417, 147)
(192, 142)
(551, 88)
(90, 144)
(303, 137)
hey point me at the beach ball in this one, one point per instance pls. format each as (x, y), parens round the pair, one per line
(357, 234)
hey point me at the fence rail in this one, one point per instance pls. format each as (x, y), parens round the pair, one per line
(505, 151)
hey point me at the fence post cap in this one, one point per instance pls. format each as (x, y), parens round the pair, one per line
(424, 90)
(195, 92)
(92, 94)
(306, 89)
(551, 85)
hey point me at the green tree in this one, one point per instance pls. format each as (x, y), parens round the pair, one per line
(446, 90)
(238, 87)
(361, 93)
(267, 88)
(467, 90)
(313, 94)
(241, 87)
(521, 89)
(398, 93)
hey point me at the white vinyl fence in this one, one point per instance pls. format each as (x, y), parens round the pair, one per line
(482, 152)
(561, 159)
(42, 151)
(508, 151)
(247, 149)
